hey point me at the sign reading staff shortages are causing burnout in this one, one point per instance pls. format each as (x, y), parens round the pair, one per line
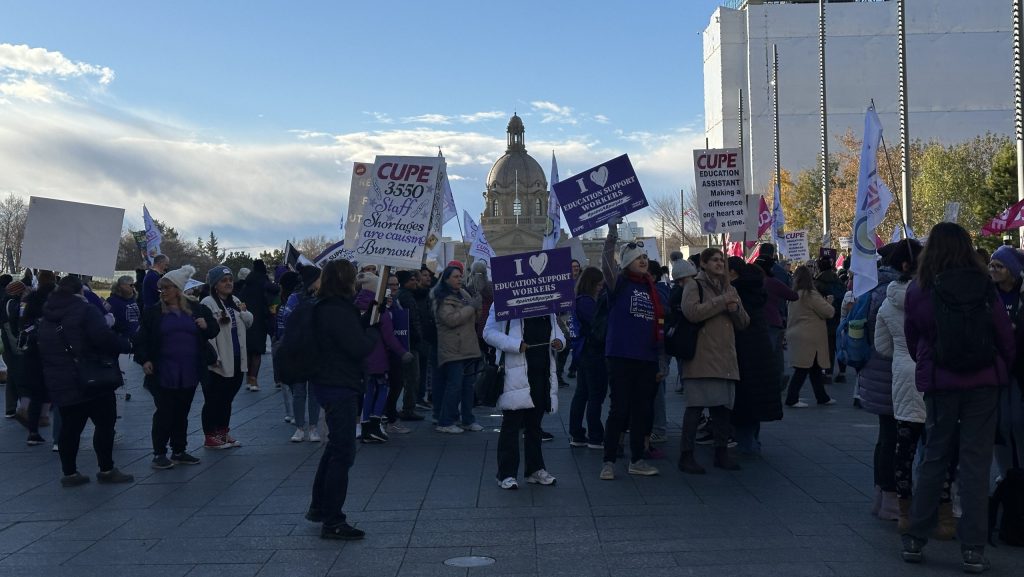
(532, 284)
(394, 223)
(593, 197)
(721, 195)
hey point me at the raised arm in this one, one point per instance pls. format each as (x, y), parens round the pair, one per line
(608, 265)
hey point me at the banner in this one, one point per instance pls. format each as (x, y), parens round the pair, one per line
(71, 237)
(358, 196)
(599, 194)
(334, 252)
(873, 199)
(797, 248)
(532, 284)
(402, 197)
(153, 236)
(474, 235)
(554, 225)
(1012, 217)
(721, 195)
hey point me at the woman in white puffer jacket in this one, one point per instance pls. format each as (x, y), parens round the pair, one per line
(908, 406)
(531, 389)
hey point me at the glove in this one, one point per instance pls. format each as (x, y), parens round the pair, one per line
(407, 358)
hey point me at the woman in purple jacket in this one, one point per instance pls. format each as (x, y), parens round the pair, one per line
(956, 390)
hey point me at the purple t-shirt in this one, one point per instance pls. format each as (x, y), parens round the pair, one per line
(631, 322)
(179, 351)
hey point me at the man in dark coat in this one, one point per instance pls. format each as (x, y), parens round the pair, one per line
(257, 295)
(70, 330)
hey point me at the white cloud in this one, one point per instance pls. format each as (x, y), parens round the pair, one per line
(601, 119)
(30, 89)
(551, 112)
(20, 58)
(481, 116)
(427, 119)
(381, 117)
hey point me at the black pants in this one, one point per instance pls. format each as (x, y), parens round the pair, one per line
(817, 383)
(170, 421)
(885, 453)
(908, 435)
(330, 485)
(508, 442)
(218, 394)
(103, 413)
(720, 426)
(633, 387)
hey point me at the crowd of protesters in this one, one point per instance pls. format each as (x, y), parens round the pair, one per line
(415, 351)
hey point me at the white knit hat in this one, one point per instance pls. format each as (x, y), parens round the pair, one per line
(683, 269)
(628, 255)
(181, 276)
(367, 281)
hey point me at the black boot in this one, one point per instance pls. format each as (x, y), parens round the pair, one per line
(724, 461)
(688, 464)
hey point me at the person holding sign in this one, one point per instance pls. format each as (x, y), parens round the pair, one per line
(632, 344)
(458, 351)
(530, 390)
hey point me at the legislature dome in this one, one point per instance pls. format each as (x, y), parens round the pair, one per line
(502, 177)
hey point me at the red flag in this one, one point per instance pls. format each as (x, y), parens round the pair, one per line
(755, 254)
(735, 249)
(1012, 217)
(840, 261)
(764, 218)
(878, 241)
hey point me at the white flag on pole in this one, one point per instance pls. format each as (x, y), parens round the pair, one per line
(778, 222)
(554, 224)
(474, 235)
(873, 199)
(448, 210)
(153, 236)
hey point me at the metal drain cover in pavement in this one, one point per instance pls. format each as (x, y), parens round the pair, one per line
(474, 561)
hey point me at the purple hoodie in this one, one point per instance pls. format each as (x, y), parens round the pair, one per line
(377, 363)
(920, 332)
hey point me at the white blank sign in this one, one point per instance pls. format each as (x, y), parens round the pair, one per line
(72, 237)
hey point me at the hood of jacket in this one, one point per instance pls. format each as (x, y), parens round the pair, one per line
(750, 286)
(896, 293)
(58, 305)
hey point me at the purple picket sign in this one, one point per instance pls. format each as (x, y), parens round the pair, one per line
(531, 284)
(593, 197)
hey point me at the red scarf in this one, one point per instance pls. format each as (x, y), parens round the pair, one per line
(659, 312)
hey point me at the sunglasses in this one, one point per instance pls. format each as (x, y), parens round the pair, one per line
(635, 244)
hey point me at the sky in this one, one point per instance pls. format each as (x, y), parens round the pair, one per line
(244, 117)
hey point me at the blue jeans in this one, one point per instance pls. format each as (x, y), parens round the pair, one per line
(302, 398)
(458, 378)
(330, 486)
(591, 389)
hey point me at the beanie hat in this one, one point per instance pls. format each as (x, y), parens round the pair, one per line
(243, 273)
(215, 274)
(181, 276)
(676, 255)
(478, 266)
(628, 255)
(458, 264)
(288, 281)
(367, 281)
(15, 288)
(683, 269)
(1010, 258)
(404, 276)
(309, 274)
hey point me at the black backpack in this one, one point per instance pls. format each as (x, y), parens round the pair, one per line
(1008, 496)
(298, 355)
(681, 334)
(965, 337)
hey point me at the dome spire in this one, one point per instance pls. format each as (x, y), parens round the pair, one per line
(516, 131)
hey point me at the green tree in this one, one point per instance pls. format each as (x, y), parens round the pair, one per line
(212, 248)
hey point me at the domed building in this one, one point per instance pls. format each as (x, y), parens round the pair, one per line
(516, 199)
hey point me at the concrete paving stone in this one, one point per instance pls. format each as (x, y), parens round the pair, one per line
(430, 570)
(51, 544)
(220, 570)
(257, 525)
(291, 570)
(472, 538)
(23, 559)
(319, 557)
(435, 554)
(459, 525)
(751, 570)
(147, 570)
(21, 534)
(381, 541)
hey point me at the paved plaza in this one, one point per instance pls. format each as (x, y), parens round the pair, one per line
(423, 498)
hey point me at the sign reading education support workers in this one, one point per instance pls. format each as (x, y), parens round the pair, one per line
(797, 248)
(721, 195)
(593, 197)
(532, 284)
(393, 228)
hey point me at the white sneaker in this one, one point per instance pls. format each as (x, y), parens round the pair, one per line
(508, 483)
(452, 429)
(475, 427)
(289, 419)
(299, 436)
(608, 471)
(314, 436)
(541, 477)
(398, 429)
(798, 405)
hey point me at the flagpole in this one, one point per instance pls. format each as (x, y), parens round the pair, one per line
(1018, 93)
(825, 209)
(901, 33)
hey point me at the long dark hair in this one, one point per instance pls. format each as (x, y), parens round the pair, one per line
(949, 247)
(441, 289)
(802, 279)
(338, 279)
(588, 282)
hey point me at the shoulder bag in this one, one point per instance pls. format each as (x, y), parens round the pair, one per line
(491, 381)
(95, 374)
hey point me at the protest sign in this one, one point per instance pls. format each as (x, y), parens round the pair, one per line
(797, 249)
(576, 247)
(721, 195)
(358, 196)
(593, 197)
(829, 253)
(334, 252)
(650, 246)
(952, 212)
(401, 198)
(844, 242)
(532, 284)
(71, 237)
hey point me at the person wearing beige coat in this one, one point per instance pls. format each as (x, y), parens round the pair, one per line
(807, 336)
(458, 353)
(710, 377)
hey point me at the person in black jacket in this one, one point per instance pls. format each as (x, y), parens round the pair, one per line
(408, 282)
(72, 328)
(345, 343)
(38, 413)
(257, 294)
(757, 391)
(172, 348)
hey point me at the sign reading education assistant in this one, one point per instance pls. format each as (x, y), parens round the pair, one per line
(721, 195)
(593, 197)
(532, 284)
